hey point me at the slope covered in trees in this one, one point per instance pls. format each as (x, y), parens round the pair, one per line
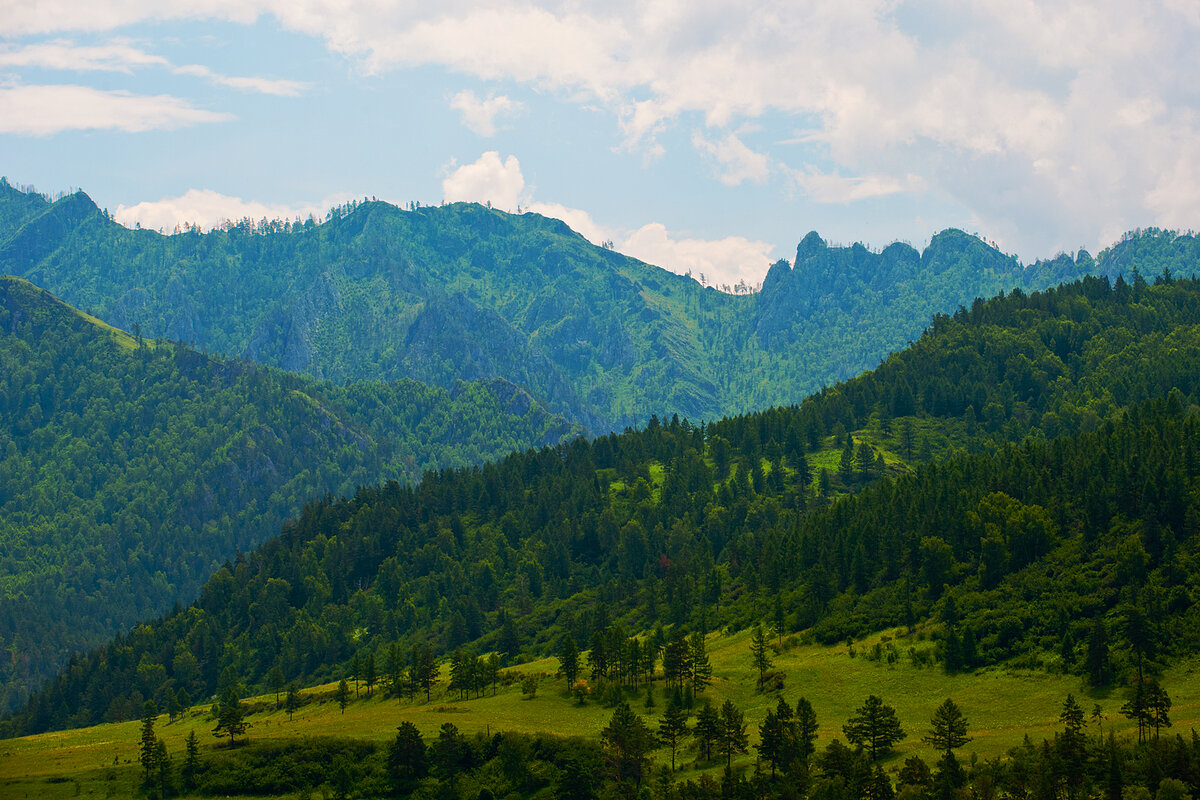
(130, 469)
(466, 292)
(1010, 551)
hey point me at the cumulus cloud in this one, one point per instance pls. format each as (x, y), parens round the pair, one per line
(479, 115)
(737, 162)
(44, 110)
(487, 180)
(727, 261)
(207, 208)
(1049, 120)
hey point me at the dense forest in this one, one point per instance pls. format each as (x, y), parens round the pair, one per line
(466, 292)
(1062, 526)
(131, 469)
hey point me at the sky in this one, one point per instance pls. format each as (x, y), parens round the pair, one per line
(706, 137)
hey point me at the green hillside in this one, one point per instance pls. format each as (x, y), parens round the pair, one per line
(1016, 555)
(463, 292)
(131, 469)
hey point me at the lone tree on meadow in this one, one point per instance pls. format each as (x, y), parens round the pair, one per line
(949, 731)
(231, 717)
(874, 727)
(759, 653)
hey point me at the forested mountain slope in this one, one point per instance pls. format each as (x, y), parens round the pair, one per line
(466, 292)
(1010, 548)
(129, 470)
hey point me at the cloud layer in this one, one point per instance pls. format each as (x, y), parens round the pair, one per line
(1054, 123)
(208, 209)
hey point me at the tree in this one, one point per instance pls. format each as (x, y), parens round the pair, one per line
(1096, 662)
(370, 673)
(806, 729)
(230, 717)
(146, 755)
(568, 660)
(673, 727)
(733, 737)
(772, 740)
(275, 679)
(510, 641)
(949, 731)
(627, 744)
(874, 727)
(1159, 707)
(407, 760)
(356, 672)
(191, 761)
(292, 701)
(162, 769)
(701, 667)
(760, 653)
(708, 729)
(343, 694)
(1072, 744)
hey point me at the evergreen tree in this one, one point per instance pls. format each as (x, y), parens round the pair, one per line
(949, 728)
(1097, 653)
(874, 727)
(407, 761)
(733, 737)
(292, 701)
(772, 743)
(230, 717)
(701, 666)
(627, 744)
(708, 729)
(342, 695)
(146, 756)
(370, 673)
(1071, 745)
(356, 672)
(760, 653)
(806, 729)
(672, 727)
(163, 782)
(275, 679)
(191, 761)
(568, 660)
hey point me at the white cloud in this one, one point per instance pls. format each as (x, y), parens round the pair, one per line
(43, 110)
(738, 162)
(487, 180)
(579, 221)
(480, 115)
(824, 187)
(207, 208)
(727, 261)
(62, 54)
(1048, 120)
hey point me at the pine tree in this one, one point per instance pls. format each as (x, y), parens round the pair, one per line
(370, 673)
(356, 672)
(701, 667)
(191, 761)
(343, 695)
(949, 730)
(568, 660)
(292, 701)
(149, 715)
(708, 729)
(230, 717)
(1097, 654)
(772, 740)
(627, 742)
(806, 729)
(162, 769)
(874, 727)
(760, 653)
(672, 727)
(733, 737)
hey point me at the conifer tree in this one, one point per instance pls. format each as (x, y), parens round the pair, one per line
(292, 701)
(708, 729)
(191, 761)
(672, 727)
(760, 653)
(874, 727)
(568, 659)
(733, 737)
(343, 695)
(146, 756)
(701, 666)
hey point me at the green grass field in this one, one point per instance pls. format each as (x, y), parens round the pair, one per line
(1002, 706)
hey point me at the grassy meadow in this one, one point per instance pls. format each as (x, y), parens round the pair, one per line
(1001, 705)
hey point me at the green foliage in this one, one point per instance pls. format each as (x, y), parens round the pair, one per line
(463, 292)
(129, 474)
(874, 727)
(1092, 515)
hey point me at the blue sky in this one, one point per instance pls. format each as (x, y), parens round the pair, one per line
(702, 136)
